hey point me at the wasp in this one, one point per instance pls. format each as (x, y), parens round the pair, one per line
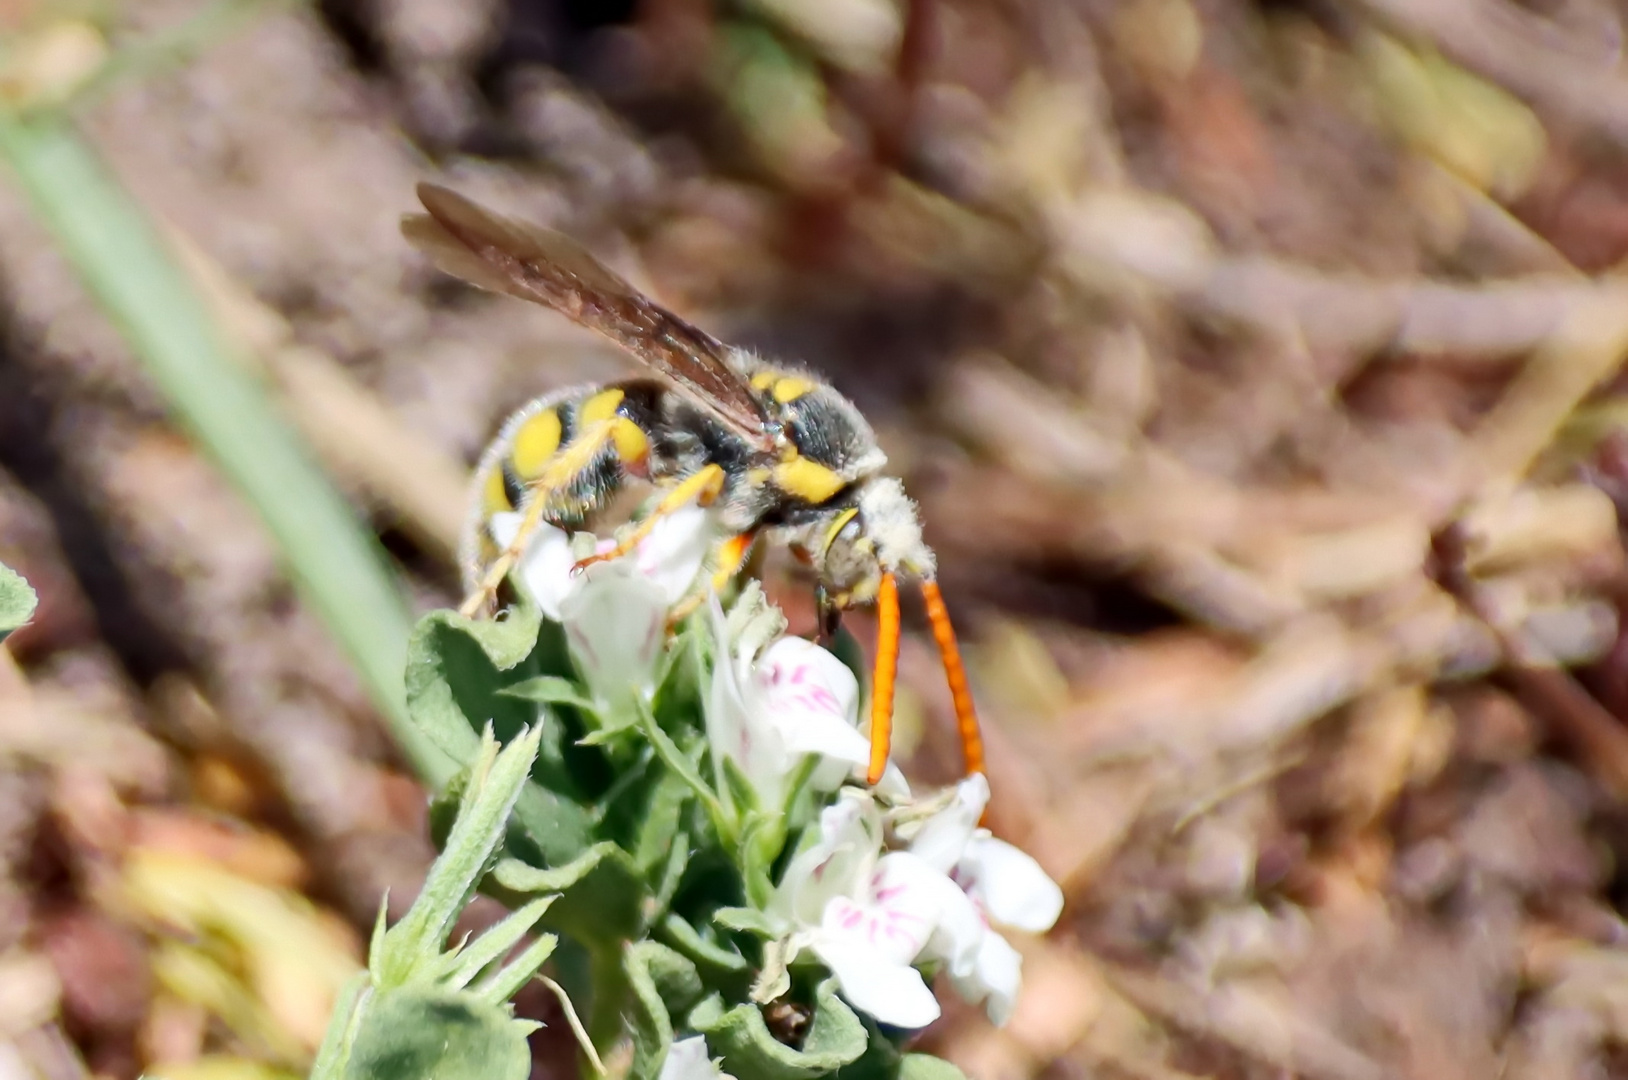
(776, 453)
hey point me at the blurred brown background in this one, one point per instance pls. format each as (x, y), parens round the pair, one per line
(1255, 366)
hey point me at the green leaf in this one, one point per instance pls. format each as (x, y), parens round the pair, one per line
(412, 948)
(343, 1023)
(457, 669)
(602, 898)
(656, 820)
(835, 1038)
(665, 884)
(680, 763)
(663, 983)
(460, 968)
(742, 795)
(680, 686)
(761, 840)
(746, 920)
(928, 1067)
(455, 677)
(17, 601)
(721, 960)
(550, 690)
(426, 1033)
(508, 981)
(554, 828)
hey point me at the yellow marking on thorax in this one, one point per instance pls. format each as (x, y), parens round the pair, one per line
(807, 480)
(790, 388)
(495, 498)
(780, 386)
(535, 443)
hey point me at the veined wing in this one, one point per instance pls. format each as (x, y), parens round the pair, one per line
(546, 267)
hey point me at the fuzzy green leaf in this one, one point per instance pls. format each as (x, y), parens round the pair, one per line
(835, 1038)
(459, 968)
(663, 983)
(721, 960)
(508, 980)
(457, 670)
(762, 837)
(550, 690)
(426, 1033)
(343, 1024)
(656, 819)
(455, 676)
(412, 948)
(602, 898)
(17, 601)
(746, 920)
(928, 1067)
(681, 764)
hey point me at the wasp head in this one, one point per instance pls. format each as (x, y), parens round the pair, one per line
(877, 533)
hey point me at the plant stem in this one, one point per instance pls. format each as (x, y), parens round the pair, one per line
(611, 991)
(126, 267)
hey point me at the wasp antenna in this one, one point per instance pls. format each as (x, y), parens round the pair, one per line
(966, 717)
(887, 671)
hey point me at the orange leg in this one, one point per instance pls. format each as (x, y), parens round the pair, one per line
(703, 486)
(887, 671)
(966, 717)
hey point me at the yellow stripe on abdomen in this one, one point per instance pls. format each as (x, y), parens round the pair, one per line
(598, 408)
(495, 495)
(535, 444)
(631, 443)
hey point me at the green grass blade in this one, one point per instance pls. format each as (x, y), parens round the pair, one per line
(122, 261)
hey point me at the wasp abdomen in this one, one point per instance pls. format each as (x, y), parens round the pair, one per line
(574, 449)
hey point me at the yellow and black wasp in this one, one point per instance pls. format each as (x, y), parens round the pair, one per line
(776, 453)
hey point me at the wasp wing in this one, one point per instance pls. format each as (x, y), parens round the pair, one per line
(546, 267)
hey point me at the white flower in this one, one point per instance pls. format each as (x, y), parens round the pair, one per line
(614, 613)
(687, 1059)
(766, 714)
(870, 916)
(1007, 885)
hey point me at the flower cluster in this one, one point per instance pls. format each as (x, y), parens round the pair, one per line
(879, 883)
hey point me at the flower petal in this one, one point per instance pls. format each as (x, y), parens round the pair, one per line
(672, 554)
(838, 862)
(803, 682)
(687, 1059)
(736, 726)
(614, 621)
(907, 911)
(942, 838)
(1010, 886)
(545, 566)
(904, 881)
(997, 975)
(894, 994)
